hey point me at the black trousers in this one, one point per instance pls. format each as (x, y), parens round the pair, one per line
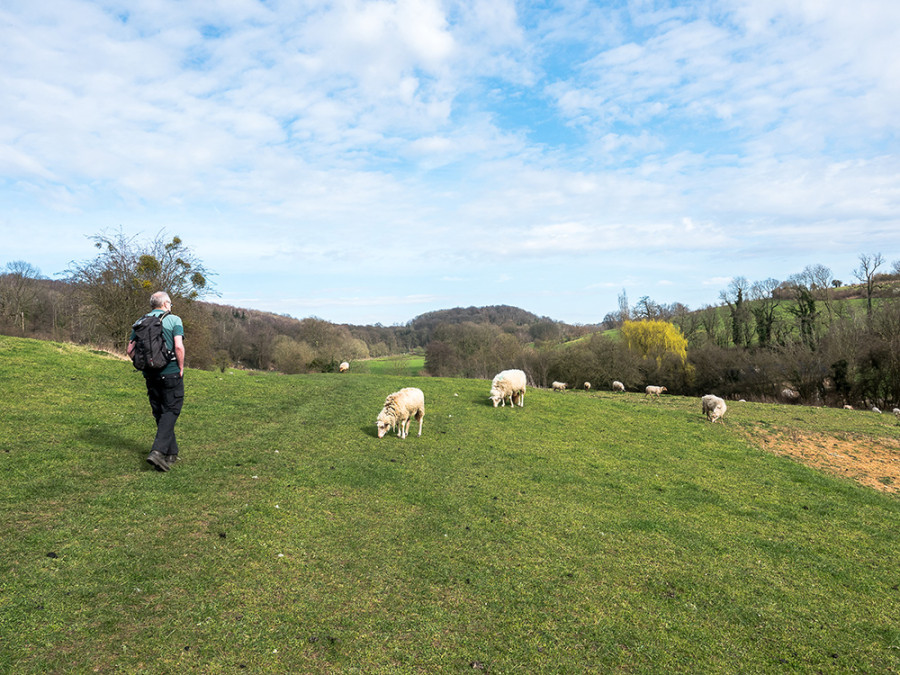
(166, 394)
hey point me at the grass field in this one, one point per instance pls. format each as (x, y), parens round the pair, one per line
(405, 364)
(585, 532)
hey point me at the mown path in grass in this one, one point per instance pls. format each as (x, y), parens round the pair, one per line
(583, 532)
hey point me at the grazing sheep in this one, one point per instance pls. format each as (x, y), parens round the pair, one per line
(399, 407)
(897, 412)
(875, 409)
(587, 386)
(714, 408)
(344, 367)
(618, 386)
(558, 386)
(654, 391)
(789, 395)
(848, 407)
(509, 384)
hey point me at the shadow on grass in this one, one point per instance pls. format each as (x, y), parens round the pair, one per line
(487, 402)
(370, 430)
(109, 440)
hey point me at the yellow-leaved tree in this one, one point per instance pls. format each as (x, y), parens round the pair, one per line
(655, 340)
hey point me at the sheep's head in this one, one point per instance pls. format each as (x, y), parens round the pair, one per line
(496, 398)
(382, 427)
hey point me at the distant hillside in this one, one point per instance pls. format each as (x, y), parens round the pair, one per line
(494, 314)
(222, 335)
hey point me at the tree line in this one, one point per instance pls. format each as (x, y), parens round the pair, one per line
(97, 300)
(822, 340)
(810, 338)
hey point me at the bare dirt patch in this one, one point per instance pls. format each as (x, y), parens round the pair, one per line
(873, 462)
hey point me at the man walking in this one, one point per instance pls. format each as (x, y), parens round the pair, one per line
(165, 386)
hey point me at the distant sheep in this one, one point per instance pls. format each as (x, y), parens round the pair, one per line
(509, 384)
(398, 410)
(344, 367)
(789, 395)
(587, 386)
(714, 408)
(897, 412)
(875, 409)
(654, 391)
(848, 407)
(558, 386)
(618, 386)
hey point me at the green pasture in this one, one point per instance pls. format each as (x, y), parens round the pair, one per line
(403, 364)
(585, 532)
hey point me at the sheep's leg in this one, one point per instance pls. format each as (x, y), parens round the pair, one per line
(421, 417)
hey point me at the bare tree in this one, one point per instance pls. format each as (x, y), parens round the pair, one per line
(646, 309)
(709, 320)
(117, 284)
(819, 280)
(18, 291)
(765, 302)
(624, 310)
(735, 296)
(866, 274)
(686, 320)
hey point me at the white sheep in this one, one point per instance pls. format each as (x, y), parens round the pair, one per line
(558, 386)
(875, 409)
(790, 395)
(848, 407)
(587, 386)
(654, 391)
(897, 412)
(509, 384)
(714, 408)
(344, 367)
(399, 408)
(618, 386)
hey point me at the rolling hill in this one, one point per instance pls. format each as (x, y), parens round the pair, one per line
(585, 532)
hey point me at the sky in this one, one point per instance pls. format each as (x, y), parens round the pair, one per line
(368, 161)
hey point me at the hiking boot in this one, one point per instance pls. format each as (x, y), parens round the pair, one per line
(156, 459)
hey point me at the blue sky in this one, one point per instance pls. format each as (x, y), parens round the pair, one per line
(367, 162)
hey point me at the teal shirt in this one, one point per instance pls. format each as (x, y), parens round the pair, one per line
(172, 326)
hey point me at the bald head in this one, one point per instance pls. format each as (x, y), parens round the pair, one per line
(159, 299)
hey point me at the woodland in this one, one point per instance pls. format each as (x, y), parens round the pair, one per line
(808, 339)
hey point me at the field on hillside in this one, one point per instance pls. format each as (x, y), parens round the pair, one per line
(403, 364)
(585, 532)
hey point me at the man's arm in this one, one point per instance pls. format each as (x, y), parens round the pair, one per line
(179, 353)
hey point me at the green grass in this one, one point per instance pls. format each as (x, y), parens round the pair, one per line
(405, 364)
(585, 532)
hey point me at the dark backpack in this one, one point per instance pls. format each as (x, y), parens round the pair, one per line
(150, 351)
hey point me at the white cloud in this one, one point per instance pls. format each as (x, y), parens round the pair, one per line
(356, 137)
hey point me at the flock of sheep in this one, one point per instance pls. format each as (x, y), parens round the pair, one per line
(401, 407)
